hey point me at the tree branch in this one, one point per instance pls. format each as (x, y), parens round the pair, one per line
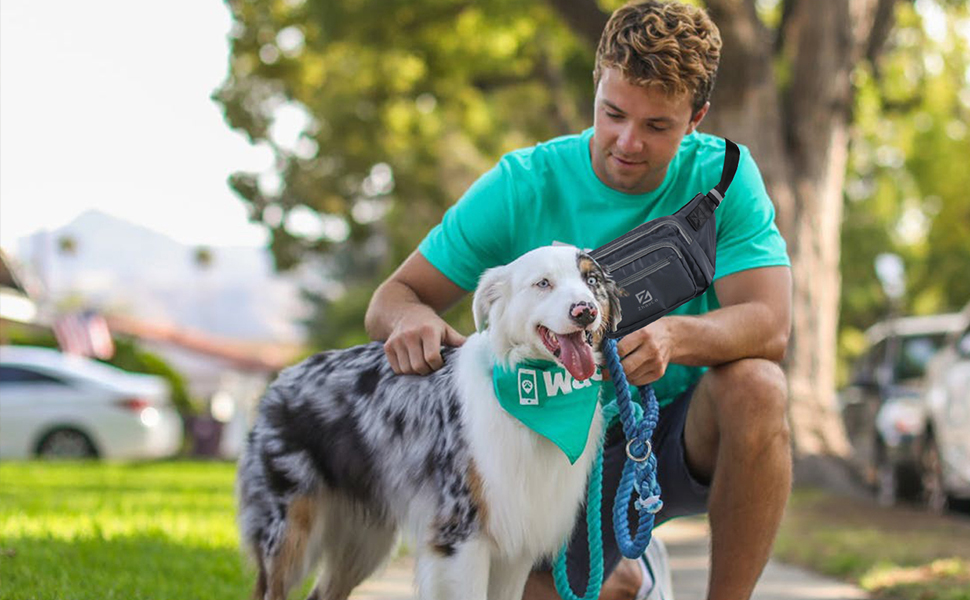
(584, 17)
(882, 24)
(745, 65)
(783, 25)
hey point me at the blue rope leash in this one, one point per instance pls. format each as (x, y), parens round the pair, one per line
(639, 472)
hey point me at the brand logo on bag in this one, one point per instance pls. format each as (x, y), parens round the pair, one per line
(644, 298)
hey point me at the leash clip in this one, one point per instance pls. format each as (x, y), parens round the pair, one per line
(646, 455)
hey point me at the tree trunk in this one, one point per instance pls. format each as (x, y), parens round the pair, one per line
(800, 136)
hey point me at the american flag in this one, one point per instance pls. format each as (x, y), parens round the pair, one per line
(84, 333)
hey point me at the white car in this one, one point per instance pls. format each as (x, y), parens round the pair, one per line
(54, 405)
(945, 459)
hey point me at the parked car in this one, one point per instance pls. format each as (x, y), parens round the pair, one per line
(882, 408)
(945, 453)
(54, 405)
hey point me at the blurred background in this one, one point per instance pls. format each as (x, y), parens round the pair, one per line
(202, 193)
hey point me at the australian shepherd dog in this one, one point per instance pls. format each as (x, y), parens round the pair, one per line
(345, 453)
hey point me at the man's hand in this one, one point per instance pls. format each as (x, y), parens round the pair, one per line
(753, 322)
(403, 313)
(414, 346)
(645, 353)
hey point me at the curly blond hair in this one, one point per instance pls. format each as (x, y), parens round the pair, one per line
(669, 45)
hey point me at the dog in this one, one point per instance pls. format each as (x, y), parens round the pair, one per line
(344, 453)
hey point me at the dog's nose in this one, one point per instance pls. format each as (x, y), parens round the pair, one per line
(583, 313)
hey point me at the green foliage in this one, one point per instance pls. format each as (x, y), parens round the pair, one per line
(905, 190)
(130, 357)
(406, 104)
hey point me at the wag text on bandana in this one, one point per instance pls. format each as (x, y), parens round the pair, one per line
(548, 400)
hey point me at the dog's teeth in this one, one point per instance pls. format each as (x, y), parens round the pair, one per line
(553, 337)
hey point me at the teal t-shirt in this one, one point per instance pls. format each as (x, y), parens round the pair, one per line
(550, 193)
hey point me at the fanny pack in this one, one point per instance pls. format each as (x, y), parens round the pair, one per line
(669, 260)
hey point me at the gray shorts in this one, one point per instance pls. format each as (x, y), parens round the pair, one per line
(681, 493)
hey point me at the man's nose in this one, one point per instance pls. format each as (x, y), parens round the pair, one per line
(583, 313)
(629, 142)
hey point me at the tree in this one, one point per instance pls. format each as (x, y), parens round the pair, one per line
(903, 194)
(404, 103)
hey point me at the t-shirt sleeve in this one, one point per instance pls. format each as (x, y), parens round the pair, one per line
(476, 232)
(747, 236)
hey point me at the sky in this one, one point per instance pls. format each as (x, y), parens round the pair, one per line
(106, 105)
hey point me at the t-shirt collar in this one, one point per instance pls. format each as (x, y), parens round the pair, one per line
(611, 195)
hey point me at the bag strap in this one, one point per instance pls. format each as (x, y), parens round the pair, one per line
(710, 201)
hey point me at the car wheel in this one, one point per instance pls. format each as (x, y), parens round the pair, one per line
(66, 443)
(934, 494)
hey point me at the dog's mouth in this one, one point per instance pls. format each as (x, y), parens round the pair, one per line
(574, 350)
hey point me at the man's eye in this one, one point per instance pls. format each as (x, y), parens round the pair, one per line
(614, 116)
(658, 128)
(543, 283)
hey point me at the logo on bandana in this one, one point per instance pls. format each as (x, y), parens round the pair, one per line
(544, 397)
(527, 387)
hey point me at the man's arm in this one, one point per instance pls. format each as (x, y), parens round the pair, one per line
(754, 321)
(404, 313)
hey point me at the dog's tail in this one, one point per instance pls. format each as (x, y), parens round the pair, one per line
(260, 519)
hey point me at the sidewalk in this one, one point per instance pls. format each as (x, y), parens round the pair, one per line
(687, 542)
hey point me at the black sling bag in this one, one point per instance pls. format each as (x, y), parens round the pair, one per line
(669, 260)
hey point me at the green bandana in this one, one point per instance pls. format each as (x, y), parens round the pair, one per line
(545, 397)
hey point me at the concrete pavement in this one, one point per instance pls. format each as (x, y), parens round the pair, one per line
(687, 543)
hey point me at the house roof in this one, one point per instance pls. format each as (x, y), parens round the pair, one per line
(243, 355)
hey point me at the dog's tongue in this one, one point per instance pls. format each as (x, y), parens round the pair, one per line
(577, 356)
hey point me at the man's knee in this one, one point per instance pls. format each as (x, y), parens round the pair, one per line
(751, 400)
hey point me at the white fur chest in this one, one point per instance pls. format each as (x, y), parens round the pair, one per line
(532, 492)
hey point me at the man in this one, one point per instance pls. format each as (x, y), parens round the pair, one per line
(722, 441)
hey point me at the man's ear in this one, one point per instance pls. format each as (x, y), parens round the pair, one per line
(695, 121)
(490, 295)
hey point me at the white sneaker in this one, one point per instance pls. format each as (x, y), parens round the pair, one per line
(655, 565)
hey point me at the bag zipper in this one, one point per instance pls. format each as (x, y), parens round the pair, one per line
(642, 253)
(666, 221)
(639, 276)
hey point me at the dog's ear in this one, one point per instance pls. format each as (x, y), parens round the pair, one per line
(607, 295)
(612, 318)
(491, 290)
(614, 292)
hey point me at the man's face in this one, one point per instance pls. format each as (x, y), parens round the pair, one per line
(636, 132)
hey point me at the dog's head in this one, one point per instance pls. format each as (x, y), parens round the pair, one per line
(553, 303)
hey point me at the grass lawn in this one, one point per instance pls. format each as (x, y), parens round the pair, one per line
(893, 553)
(90, 530)
(167, 531)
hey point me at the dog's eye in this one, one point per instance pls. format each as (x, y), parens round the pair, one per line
(543, 284)
(592, 280)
